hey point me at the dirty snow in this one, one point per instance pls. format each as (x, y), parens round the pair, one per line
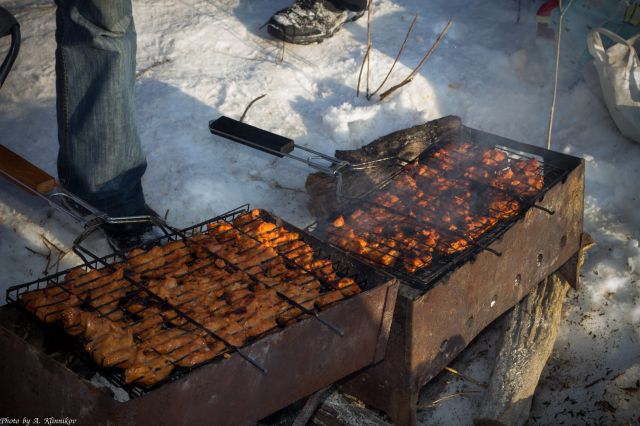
(200, 59)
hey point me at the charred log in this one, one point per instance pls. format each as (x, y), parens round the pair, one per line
(404, 145)
(337, 410)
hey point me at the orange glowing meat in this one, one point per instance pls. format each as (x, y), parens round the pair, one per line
(339, 222)
(461, 189)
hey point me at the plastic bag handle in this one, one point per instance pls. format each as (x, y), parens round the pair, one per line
(615, 37)
(596, 48)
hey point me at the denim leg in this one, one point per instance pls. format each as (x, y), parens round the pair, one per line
(100, 157)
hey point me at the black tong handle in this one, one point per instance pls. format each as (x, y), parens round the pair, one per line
(251, 136)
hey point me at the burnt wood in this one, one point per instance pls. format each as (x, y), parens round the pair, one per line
(405, 145)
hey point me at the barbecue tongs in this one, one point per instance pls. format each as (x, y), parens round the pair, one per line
(38, 182)
(281, 146)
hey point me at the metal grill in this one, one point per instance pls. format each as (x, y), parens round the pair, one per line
(130, 295)
(456, 162)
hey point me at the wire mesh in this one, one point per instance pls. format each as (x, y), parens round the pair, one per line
(434, 214)
(131, 290)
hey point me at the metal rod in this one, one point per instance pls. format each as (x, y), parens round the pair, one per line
(544, 209)
(42, 196)
(309, 312)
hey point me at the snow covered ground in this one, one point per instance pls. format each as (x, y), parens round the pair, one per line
(199, 59)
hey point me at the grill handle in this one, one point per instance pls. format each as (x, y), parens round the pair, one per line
(279, 146)
(251, 136)
(24, 174)
(33, 179)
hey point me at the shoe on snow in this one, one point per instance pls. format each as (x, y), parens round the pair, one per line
(309, 21)
(125, 236)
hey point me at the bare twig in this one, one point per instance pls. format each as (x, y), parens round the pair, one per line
(29, 249)
(369, 9)
(166, 213)
(281, 59)
(48, 258)
(142, 71)
(61, 254)
(364, 60)
(519, 10)
(435, 403)
(556, 72)
(52, 244)
(465, 377)
(404, 43)
(244, 114)
(277, 185)
(367, 53)
(416, 70)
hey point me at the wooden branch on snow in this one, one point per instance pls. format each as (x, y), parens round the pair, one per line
(246, 110)
(408, 79)
(367, 54)
(395, 61)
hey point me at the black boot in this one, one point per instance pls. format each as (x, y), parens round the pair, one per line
(125, 236)
(310, 21)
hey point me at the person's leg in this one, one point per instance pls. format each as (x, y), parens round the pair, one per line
(311, 21)
(100, 157)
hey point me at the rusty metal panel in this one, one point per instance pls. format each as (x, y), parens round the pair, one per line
(430, 328)
(36, 385)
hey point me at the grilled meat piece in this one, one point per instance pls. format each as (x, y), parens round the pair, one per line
(148, 369)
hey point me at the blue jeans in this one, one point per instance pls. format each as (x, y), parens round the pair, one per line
(100, 157)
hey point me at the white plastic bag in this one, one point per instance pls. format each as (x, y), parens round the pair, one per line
(619, 71)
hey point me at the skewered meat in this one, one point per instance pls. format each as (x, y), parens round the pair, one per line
(440, 205)
(190, 301)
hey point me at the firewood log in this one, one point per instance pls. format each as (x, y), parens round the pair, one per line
(531, 331)
(404, 145)
(337, 410)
